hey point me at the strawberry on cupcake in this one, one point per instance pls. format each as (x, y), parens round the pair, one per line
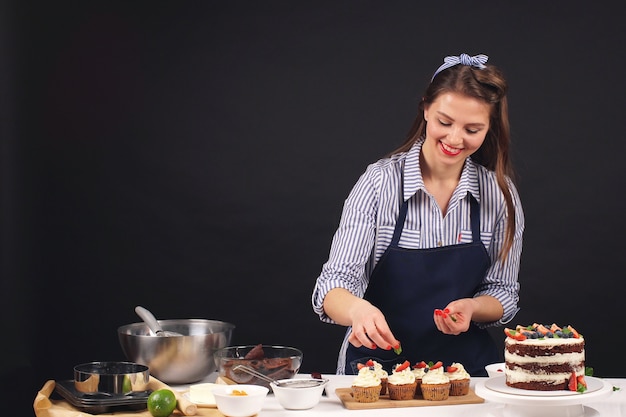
(459, 379)
(435, 384)
(401, 384)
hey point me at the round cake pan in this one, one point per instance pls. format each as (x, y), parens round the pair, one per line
(114, 378)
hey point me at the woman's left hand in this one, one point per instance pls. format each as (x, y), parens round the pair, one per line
(456, 317)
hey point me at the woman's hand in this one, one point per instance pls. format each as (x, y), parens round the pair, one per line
(369, 327)
(457, 316)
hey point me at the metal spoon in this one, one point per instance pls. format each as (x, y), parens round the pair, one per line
(292, 383)
(152, 323)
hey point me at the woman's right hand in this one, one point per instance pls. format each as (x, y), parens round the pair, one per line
(369, 327)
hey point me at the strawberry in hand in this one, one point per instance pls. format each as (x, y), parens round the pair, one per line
(445, 313)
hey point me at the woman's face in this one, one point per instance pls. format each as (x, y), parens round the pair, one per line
(456, 127)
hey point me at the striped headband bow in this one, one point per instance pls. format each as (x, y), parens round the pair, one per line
(477, 61)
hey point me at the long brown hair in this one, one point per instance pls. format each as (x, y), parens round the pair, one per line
(489, 85)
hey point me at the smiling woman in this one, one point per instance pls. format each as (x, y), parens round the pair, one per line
(439, 216)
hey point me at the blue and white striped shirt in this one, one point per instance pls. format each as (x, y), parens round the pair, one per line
(369, 217)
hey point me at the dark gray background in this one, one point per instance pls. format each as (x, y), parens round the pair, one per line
(193, 157)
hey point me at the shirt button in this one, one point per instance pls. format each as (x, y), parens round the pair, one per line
(439, 243)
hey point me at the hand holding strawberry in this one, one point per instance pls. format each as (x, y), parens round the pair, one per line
(456, 317)
(445, 313)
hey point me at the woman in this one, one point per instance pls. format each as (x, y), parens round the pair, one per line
(427, 252)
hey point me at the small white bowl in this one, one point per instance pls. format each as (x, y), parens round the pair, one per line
(240, 405)
(495, 369)
(297, 397)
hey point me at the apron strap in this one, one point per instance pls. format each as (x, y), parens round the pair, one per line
(397, 232)
(474, 218)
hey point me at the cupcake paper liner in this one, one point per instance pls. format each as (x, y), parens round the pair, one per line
(366, 394)
(436, 392)
(402, 392)
(459, 387)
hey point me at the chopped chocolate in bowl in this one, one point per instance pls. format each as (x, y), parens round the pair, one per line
(275, 362)
(278, 368)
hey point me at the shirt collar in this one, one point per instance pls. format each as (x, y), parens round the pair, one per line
(413, 181)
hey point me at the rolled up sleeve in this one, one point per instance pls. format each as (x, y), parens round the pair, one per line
(351, 246)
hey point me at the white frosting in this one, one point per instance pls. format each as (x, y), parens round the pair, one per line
(460, 372)
(378, 370)
(557, 358)
(405, 376)
(419, 372)
(435, 376)
(366, 378)
(546, 341)
(516, 375)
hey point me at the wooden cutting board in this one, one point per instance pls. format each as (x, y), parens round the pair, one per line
(345, 395)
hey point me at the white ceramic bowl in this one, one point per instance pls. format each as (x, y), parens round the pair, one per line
(495, 369)
(298, 397)
(240, 405)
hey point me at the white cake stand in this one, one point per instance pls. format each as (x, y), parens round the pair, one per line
(525, 403)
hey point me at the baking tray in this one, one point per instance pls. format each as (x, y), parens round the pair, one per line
(97, 403)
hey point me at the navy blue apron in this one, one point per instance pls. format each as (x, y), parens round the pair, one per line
(407, 285)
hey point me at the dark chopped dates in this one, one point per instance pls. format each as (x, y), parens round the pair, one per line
(275, 368)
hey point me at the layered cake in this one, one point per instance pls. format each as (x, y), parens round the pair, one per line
(543, 358)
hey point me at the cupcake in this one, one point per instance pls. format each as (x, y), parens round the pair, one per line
(383, 375)
(459, 379)
(419, 370)
(401, 383)
(366, 386)
(435, 384)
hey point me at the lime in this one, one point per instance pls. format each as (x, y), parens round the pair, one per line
(161, 403)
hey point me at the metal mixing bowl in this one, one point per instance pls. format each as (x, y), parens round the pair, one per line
(176, 359)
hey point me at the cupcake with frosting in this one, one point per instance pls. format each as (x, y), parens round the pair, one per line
(401, 383)
(383, 375)
(419, 370)
(459, 379)
(366, 386)
(435, 384)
